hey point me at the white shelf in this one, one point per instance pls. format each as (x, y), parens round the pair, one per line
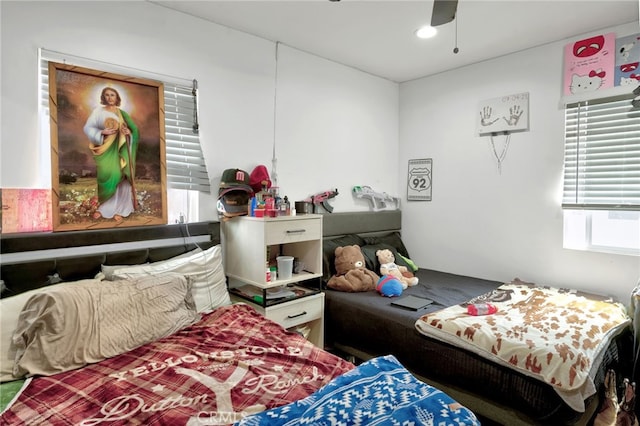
(302, 276)
(249, 243)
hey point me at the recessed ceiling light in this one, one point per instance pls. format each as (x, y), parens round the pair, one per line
(426, 32)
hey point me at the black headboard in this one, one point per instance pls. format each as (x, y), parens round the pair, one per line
(336, 224)
(29, 260)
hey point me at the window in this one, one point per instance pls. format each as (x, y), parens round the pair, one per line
(601, 194)
(186, 169)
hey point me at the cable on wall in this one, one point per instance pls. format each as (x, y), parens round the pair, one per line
(455, 47)
(500, 157)
(274, 158)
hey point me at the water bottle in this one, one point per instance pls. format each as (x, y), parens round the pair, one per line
(269, 278)
(481, 309)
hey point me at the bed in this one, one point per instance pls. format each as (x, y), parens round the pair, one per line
(433, 349)
(135, 326)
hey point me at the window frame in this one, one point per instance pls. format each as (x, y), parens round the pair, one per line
(601, 168)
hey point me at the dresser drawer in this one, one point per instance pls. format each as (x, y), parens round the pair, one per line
(297, 311)
(291, 231)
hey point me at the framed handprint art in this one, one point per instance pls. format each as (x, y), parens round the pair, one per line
(505, 114)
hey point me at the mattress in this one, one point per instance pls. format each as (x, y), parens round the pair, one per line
(382, 328)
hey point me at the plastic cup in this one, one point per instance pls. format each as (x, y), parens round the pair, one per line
(298, 266)
(285, 267)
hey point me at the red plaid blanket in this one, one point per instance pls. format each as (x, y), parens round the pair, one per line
(231, 363)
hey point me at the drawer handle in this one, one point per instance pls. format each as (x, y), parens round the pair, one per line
(297, 315)
(296, 231)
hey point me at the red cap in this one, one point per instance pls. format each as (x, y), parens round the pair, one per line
(259, 177)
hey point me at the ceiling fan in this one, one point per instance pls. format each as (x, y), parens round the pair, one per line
(444, 11)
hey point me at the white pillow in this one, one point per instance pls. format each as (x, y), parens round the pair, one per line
(187, 254)
(209, 287)
(10, 308)
(106, 271)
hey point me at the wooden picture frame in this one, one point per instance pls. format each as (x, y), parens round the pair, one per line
(108, 166)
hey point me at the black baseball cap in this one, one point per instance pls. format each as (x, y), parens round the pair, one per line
(234, 180)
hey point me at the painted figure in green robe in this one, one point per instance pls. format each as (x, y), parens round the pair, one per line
(114, 143)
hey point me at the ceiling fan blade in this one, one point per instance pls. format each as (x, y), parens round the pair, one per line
(444, 11)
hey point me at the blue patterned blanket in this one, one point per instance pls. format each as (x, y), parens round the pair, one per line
(377, 392)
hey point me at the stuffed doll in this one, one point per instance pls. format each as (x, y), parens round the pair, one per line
(388, 266)
(351, 273)
(389, 286)
(626, 411)
(609, 409)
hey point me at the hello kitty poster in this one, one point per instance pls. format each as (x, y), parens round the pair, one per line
(627, 69)
(589, 64)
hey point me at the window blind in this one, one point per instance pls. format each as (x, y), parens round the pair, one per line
(602, 155)
(186, 168)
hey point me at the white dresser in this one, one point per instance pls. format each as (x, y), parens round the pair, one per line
(250, 243)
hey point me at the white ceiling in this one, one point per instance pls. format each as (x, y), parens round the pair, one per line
(378, 36)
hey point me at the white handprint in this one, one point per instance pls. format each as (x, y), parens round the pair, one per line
(515, 114)
(485, 117)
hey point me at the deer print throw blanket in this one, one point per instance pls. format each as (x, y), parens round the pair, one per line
(555, 335)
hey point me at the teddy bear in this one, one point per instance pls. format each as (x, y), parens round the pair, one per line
(352, 274)
(388, 266)
(389, 286)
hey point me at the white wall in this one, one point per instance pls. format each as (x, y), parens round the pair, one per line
(485, 223)
(336, 127)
